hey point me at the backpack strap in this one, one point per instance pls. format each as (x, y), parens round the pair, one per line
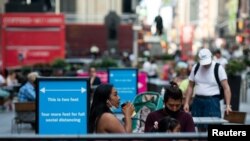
(196, 68)
(216, 74)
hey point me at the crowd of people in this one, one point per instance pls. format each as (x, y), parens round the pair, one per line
(192, 92)
(201, 100)
(7, 86)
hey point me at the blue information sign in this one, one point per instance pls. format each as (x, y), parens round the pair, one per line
(125, 82)
(62, 106)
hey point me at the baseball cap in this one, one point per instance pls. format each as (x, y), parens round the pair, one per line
(205, 56)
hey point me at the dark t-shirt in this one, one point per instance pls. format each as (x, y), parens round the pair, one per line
(185, 119)
(97, 81)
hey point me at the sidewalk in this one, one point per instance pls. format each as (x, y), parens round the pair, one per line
(6, 124)
(245, 107)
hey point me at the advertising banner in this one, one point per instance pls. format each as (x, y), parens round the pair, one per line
(142, 82)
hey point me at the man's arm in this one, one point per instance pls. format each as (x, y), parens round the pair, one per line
(190, 126)
(31, 94)
(227, 95)
(189, 94)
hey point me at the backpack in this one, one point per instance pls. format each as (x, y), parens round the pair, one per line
(216, 74)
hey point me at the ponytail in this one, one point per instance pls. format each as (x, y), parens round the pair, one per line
(173, 91)
(174, 84)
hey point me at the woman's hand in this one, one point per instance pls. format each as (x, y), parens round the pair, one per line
(128, 110)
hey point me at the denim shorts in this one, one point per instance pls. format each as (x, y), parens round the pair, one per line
(206, 106)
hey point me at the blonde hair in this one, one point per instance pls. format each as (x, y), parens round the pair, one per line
(32, 76)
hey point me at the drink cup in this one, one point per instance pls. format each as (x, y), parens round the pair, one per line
(134, 113)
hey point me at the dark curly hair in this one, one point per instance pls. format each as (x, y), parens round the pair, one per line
(167, 123)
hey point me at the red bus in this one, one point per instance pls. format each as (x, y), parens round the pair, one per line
(28, 38)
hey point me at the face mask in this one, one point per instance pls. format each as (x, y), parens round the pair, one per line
(171, 113)
(112, 108)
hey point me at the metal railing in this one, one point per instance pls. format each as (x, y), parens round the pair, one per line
(142, 136)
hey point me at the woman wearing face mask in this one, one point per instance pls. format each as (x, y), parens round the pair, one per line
(172, 107)
(102, 119)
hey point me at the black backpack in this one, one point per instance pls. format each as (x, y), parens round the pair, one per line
(216, 74)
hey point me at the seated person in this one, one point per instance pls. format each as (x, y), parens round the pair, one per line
(102, 118)
(11, 79)
(27, 91)
(2, 80)
(11, 82)
(5, 95)
(167, 124)
(172, 107)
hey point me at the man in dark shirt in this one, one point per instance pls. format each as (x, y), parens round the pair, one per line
(173, 103)
(94, 81)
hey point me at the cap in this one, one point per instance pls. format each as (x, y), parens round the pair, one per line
(205, 56)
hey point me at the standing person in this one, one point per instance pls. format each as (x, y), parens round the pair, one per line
(94, 81)
(146, 67)
(27, 91)
(219, 58)
(206, 102)
(173, 103)
(102, 119)
(153, 73)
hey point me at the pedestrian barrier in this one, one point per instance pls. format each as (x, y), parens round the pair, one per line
(90, 137)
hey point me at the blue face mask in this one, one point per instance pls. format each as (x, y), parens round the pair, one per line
(112, 108)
